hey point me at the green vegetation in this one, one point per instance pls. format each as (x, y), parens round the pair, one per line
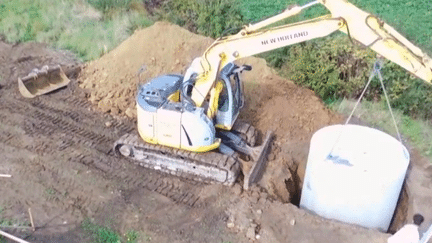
(417, 131)
(2, 223)
(72, 24)
(335, 68)
(51, 194)
(100, 234)
(131, 236)
(110, 5)
(206, 17)
(412, 19)
(103, 234)
(7, 222)
(256, 10)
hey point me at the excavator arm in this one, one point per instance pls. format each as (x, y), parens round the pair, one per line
(253, 39)
(380, 37)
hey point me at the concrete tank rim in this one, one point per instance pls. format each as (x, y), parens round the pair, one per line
(374, 130)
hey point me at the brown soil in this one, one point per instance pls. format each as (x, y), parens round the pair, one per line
(57, 147)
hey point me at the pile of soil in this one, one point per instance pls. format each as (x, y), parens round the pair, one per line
(272, 103)
(160, 49)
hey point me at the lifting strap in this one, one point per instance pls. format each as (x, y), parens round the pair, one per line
(376, 72)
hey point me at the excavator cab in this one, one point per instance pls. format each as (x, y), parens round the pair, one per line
(231, 98)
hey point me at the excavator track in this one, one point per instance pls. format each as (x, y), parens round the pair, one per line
(246, 131)
(209, 167)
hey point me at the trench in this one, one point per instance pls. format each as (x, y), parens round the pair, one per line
(400, 215)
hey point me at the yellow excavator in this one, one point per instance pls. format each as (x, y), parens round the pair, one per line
(187, 124)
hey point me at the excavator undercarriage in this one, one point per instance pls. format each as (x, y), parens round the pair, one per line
(212, 167)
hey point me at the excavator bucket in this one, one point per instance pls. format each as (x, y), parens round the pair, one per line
(42, 81)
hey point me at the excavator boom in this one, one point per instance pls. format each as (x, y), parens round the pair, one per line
(358, 24)
(380, 37)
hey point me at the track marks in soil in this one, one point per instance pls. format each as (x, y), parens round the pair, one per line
(66, 128)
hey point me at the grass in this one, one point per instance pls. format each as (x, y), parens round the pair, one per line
(413, 19)
(51, 194)
(100, 234)
(71, 24)
(3, 220)
(256, 10)
(109, 5)
(103, 234)
(131, 236)
(7, 222)
(417, 132)
(2, 223)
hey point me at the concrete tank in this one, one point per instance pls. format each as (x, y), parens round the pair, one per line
(354, 174)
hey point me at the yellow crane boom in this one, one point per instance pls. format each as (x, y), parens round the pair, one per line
(358, 24)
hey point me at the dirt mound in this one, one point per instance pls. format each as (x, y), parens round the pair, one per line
(272, 102)
(162, 48)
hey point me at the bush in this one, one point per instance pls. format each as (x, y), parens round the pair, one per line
(410, 95)
(108, 5)
(334, 68)
(206, 17)
(331, 67)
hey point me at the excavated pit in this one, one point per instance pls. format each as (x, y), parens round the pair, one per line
(293, 187)
(400, 217)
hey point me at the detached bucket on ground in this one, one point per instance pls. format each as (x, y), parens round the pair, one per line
(354, 174)
(42, 81)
